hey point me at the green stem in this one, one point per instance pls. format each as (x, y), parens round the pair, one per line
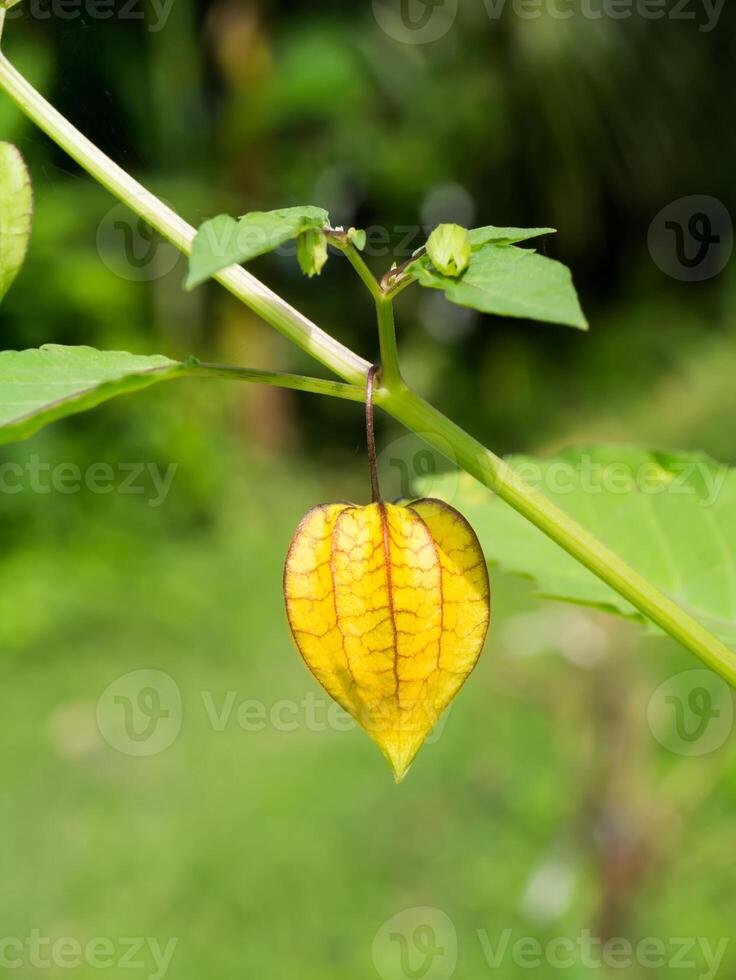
(390, 373)
(400, 286)
(370, 432)
(396, 280)
(399, 401)
(296, 382)
(438, 431)
(356, 260)
(267, 304)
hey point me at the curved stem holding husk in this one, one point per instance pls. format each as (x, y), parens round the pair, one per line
(371, 433)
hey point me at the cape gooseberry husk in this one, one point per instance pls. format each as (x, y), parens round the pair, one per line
(389, 606)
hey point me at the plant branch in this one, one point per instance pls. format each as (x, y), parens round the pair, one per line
(340, 240)
(390, 372)
(267, 304)
(470, 455)
(402, 403)
(395, 281)
(335, 389)
(370, 432)
(399, 287)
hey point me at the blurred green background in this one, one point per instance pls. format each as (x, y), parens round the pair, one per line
(273, 843)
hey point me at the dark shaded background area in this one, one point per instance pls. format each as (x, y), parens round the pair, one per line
(546, 806)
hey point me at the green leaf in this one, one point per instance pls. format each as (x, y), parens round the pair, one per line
(505, 236)
(671, 516)
(358, 238)
(223, 241)
(16, 209)
(448, 248)
(41, 385)
(311, 251)
(510, 281)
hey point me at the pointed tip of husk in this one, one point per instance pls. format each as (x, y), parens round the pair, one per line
(400, 762)
(400, 774)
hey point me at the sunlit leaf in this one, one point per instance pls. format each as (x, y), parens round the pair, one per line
(389, 607)
(16, 208)
(223, 241)
(41, 385)
(671, 516)
(510, 281)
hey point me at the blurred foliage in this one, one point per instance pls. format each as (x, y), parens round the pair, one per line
(231, 841)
